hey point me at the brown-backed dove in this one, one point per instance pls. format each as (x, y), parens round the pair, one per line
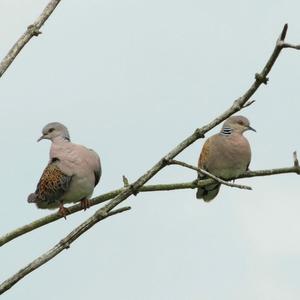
(226, 154)
(71, 174)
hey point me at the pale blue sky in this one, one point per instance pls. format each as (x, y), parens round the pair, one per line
(131, 79)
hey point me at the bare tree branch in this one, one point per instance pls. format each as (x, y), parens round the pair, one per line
(59, 247)
(32, 30)
(134, 188)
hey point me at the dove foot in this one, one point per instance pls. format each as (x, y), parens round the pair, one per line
(63, 211)
(85, 203)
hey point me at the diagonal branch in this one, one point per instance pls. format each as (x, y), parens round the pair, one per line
(32, 30)
(59, 247)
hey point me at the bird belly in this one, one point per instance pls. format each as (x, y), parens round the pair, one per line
(80, 188)
(231, 165)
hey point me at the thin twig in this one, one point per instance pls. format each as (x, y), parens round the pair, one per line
(248, 103)
(32, 30)
(183, 164)
(287, 45)
(296, 162)
(59, 247)
(147, 188)
(125, 180)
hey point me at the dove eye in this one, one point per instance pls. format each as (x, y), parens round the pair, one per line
(50, 130)
(241, 122)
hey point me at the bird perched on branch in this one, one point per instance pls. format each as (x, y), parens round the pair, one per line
(71, 174)
(226, 154)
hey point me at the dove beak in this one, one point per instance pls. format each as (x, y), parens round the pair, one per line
(251, 128)
(41, 138)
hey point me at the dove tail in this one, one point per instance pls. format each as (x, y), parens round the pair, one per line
(209, 192)
(31, 198)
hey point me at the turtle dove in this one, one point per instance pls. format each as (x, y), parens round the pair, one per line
(71, 174)
(226, 155)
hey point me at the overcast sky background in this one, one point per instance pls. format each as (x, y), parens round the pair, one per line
(131, 79)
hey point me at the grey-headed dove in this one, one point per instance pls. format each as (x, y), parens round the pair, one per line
(71, 174)
(226, 154)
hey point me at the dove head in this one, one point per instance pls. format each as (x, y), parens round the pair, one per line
(238, 124)
(54, 130)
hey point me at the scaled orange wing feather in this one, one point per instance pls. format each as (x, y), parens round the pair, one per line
(52, 185)
(204, 155)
